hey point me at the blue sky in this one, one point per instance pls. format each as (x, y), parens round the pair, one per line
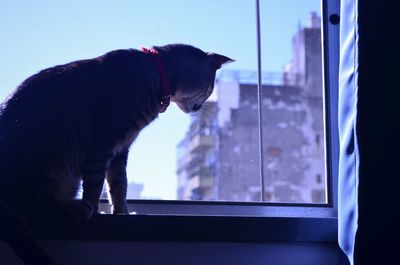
(43, 33)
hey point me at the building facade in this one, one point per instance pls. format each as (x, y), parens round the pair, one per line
(198, 157)
(219, 157)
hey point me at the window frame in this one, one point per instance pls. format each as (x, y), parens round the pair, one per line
(330, 62)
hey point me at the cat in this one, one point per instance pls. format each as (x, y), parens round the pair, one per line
(76, 123)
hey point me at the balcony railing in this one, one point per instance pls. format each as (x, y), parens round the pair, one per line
(268, 78)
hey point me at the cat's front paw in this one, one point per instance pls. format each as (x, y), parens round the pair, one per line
(120, 209)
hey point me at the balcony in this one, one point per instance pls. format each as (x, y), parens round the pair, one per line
(201, 142)
(200, 182)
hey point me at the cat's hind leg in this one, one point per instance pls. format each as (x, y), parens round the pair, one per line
(66, 202)
(76, 209)
(50, 196)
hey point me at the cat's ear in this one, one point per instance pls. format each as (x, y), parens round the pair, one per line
(218, 60)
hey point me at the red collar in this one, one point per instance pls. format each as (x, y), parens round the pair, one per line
(163, 78)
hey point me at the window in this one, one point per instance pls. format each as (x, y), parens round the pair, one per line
(215, 157)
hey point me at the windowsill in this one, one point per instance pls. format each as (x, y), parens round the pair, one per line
(186, 228)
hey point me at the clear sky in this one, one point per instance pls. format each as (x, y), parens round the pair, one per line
(43, 33)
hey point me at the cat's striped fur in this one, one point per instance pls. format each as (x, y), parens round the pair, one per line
(76, 122)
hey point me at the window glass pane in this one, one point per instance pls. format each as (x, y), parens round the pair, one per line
(292, 105)
(39, 34)
(212, 162)
(213, 154)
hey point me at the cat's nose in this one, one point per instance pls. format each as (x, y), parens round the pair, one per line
(196, 107)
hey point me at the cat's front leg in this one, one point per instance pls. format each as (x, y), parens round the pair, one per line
(92, 188)
(117, 182)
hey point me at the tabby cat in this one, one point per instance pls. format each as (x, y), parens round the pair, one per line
(76, 122)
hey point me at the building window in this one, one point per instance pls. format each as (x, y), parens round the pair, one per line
(212, 155)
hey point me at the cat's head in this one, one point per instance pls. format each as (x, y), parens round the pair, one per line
(193, 75)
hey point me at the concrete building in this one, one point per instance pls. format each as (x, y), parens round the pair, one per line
(197, 157)
(225, 165)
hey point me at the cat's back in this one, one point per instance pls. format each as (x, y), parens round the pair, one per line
(79, 82)
(56, 99)
(60, 104)
(36, 114)
(43, 90)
